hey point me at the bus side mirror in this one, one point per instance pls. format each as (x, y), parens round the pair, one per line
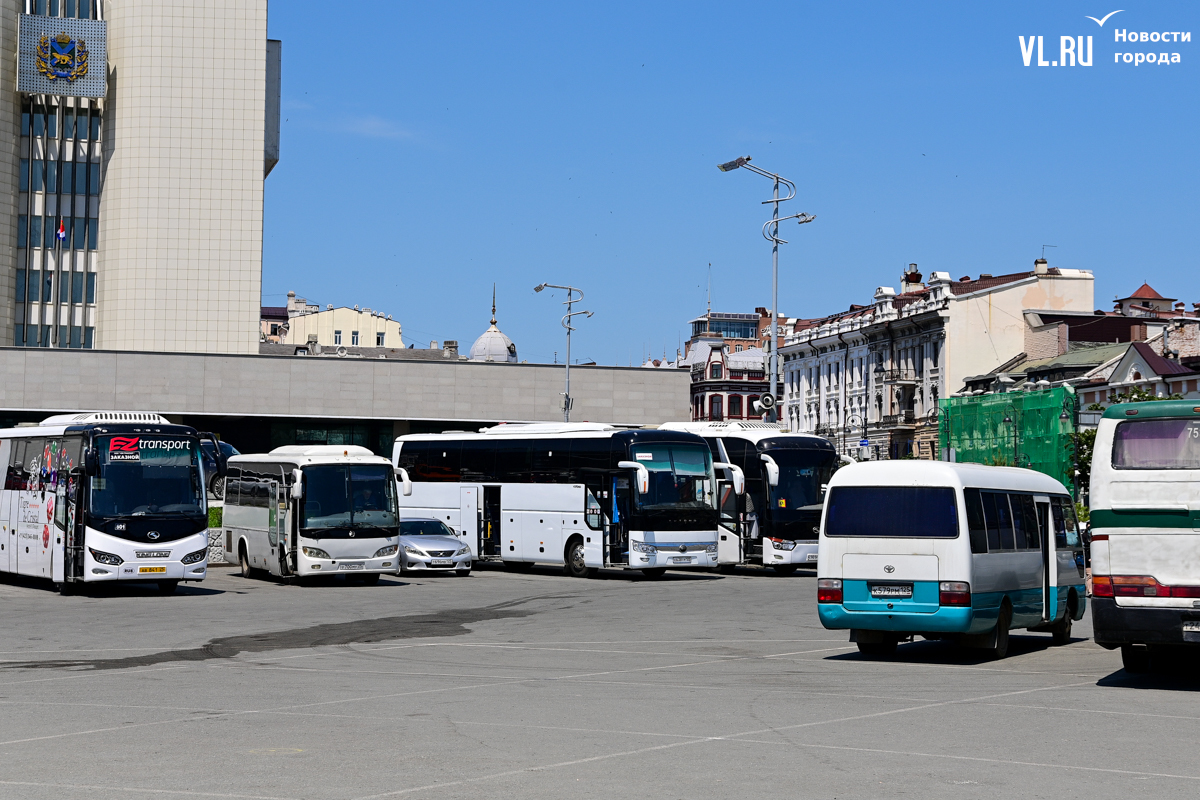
(297, 485)
(405, 483)
(772, 469)
(739, 477)
(643, 474)
(91, 462)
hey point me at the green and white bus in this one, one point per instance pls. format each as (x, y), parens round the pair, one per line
(1145, 515)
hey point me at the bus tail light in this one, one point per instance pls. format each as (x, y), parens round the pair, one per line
(1139, 586)
(829, 590)
(954, 593)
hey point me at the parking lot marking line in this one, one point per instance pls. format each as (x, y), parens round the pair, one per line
(130, 726)
(984, 759)
(1094, 711)
(184, 792)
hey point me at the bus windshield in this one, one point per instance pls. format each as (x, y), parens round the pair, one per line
(143, 475)
(349, 496)
(801, 475)
(681, 476)
(1157, 444)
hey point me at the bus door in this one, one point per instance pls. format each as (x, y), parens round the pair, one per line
(8, 531)
(275, 517)
(468, 514)
(1049, 559)
(489, 532)
(286, 525)
(730, 507)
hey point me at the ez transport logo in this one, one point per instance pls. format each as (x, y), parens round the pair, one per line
(1078, 50)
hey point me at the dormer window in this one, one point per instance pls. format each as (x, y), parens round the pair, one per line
(714, 372)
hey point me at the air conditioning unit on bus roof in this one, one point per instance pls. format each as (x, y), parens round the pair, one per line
(348, 450)
(89, 417)
(526, 428)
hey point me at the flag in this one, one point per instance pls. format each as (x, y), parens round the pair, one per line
(62, 231)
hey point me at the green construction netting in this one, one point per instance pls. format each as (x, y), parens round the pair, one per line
(1037, 434)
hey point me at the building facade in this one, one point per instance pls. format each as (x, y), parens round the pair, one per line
(133, 220)
(877, 371)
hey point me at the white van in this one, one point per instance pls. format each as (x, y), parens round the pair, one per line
(947, 551)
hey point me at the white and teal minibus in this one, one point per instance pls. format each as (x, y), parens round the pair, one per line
(947, 551)
(1145, 517)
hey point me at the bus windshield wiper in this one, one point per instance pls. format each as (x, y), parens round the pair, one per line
(366, 526)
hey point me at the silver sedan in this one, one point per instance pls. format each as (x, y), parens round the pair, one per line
(427, 544)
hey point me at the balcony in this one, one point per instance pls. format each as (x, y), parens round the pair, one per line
(901, 377)
(896, 420)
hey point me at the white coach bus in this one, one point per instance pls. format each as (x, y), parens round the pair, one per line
(1145, 518)
(776, 521)
(948, 551)
(583, 495)
(308, 510)
(105, 496)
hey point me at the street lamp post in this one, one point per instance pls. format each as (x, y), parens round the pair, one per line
(1010, 419)
(862, 421)
(566, 323)
(744, 163)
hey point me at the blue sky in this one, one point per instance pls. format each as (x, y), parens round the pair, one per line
(429, 149)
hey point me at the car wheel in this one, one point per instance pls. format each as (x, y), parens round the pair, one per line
(462, 573)
(167, 587)
(576, 562)
(217, 487)
(1000, 649)
(1135, 659)
(784, 569)
(370, 579)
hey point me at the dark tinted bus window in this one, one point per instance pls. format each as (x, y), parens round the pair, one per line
(549, 461)
(976, 521)
(1033, 536)
(477, 461)
(512, 460)
(1018, 512)
(233, 477)
(440, 461)
(591, 453)
(1004, 521)
(913, 512)
(993, 519)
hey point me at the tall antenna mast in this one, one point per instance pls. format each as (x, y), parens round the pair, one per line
(708, 313)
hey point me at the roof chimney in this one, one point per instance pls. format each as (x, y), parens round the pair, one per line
(1040, 266)
(450, 348)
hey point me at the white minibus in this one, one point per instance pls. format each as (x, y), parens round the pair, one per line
(104, 496)
(1145, 522)
(947, 551)
(582, 495)
(776, 521)
(308, 510)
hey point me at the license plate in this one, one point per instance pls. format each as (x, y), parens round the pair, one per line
(681, 559)
(152, 569)
(351, 565)
(811, 557)
(898, 590)
(441, 562)
(1192, 625)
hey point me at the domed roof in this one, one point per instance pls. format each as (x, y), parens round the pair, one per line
(494, 345)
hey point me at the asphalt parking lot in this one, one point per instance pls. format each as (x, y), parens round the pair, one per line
(536, 685)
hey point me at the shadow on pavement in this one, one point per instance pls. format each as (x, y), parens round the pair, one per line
(950, 653)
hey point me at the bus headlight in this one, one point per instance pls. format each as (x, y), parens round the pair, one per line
(712, 549)
(783, 544)
(385, 551)
(315, 552)
(192, 558)
(464, 551)
(101, 557)
(412, 551)
(642, 547)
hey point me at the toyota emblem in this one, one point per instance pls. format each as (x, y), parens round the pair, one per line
(889, 569)
(152, 535)
(683, 548)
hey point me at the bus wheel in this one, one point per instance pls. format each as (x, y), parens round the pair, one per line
(654, 573)
(1000, 649)
(66, 589)
(1135, 659)
(167, 587)
(244, 562)
(576, 563)
(1060, 631)
(370, 579)
(726, 569)
(785, 569)
(877, 649)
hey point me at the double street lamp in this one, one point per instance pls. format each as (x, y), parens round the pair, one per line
(772, 235)
(566, 323)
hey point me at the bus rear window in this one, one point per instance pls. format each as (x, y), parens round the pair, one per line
(1157, 444)
(910, 512)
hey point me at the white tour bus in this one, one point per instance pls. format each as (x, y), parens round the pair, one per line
(776, 521)
(583, 495)
(105, 496)
(308, 510)
(948, 551)
(1145, 522)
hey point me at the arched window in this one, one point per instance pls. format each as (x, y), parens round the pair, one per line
(714, 371)
(715, 410)
(750, 401)
(735, 406)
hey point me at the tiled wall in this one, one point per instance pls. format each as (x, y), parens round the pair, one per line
(10, 120)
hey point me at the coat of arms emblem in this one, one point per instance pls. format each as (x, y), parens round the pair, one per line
(62, 57)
